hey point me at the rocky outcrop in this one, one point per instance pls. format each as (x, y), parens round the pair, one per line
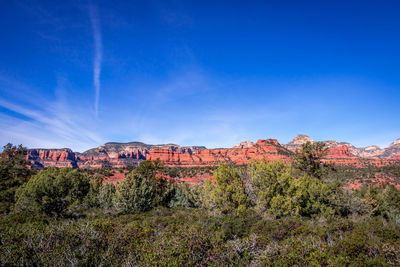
(51, 157)
(396, 157)
(111, 155)
(269, 149)
(393, 150)
(296, 143)
(245, 144)
(371, 152)
(114, 155)
(341, 155)
(366, 152)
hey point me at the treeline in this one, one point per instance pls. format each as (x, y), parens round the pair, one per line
(263, 213)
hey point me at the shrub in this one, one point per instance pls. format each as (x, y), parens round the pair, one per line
(308, 160)
(384, 200)
(268, 183)
(106, 195)
(134, 193)
(183, 196)
(13, 173)
(391, 202)
(53, 191)
(92, 198)
(306, 196)
(276, 192)
(227, 193)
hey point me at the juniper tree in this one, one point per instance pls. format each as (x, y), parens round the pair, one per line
(13, 173)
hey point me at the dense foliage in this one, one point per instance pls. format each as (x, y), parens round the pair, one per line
(185, 237)
(260, 214)
(308, 160)
(52, 191)
(13, 173)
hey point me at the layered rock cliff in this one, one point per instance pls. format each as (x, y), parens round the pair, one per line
(52, 157)
(130, 154)
(373, 152)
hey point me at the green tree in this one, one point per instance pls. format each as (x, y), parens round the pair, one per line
(307, 196)
(106, 195)
(278, 193)
(149, 169)
(53, 191)
(92, 198)
(373, 198)
(182, 196)
(381, 200)
(391, 202)
(308, 159)
(134, 194)
(13, 173)
(144, 188)
(269, 181)
(226, 192)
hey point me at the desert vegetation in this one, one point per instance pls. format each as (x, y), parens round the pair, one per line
(259, 214)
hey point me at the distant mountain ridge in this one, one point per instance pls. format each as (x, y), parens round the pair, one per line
(114, 154)
(364, 152)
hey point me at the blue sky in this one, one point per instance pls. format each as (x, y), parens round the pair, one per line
(81, 73)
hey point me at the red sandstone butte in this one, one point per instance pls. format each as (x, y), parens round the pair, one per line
(269, 149)
(118, 155)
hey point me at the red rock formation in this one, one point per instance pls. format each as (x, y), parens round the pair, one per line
(170, 157)
(339, 151)
(269, 149)
(52, 157)
(396, 157)
(130, 154)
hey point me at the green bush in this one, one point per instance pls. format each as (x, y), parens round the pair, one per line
(182, 196)
(92, 198)
(383, 200)
(226, 193)
(13, 173)
(106, 196)
(272, 189)
(134, 194)
(53, 191)
(269, 183)
(308, 160)
(186, 236)
(307, 196)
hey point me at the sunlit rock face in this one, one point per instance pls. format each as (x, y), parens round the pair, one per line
(392, 150)
(115, 155)
(296, 143)
(52, 157)
(362, 152)
(245, 144)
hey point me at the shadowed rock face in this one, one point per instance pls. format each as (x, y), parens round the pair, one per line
(130, 154)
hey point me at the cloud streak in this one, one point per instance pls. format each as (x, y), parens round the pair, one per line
(50, 127)
(54, 123)
(98, 53)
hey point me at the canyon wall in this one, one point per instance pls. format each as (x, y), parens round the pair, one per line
(115, 155)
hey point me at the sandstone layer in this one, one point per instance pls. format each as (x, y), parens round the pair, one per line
(115, 155)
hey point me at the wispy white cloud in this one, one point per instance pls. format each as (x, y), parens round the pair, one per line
(98, 52)
(50, 127)
(55, 123)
